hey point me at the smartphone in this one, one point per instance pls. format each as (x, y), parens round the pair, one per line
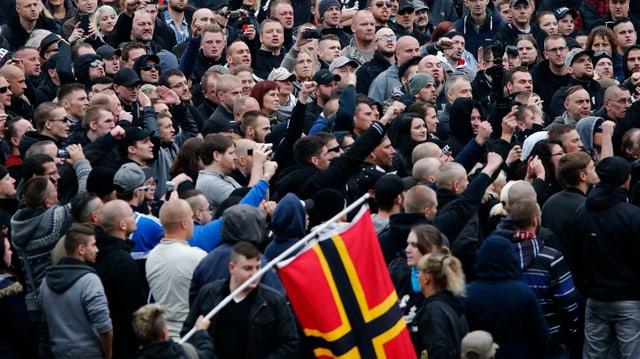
(84, 22)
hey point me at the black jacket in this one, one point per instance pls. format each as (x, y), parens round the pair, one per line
(608, 228)
(545, 83)
(200, 340)
(122, 284)
(305, 179)
(369, 70)
(393, 239)
(441, 326)
(17, 36)
(509, 33)
(596, 92)
(272, 329)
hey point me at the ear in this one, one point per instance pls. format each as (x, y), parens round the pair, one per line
(131, 150)
(65, 104)
(314, 160)
(93, 125)
(229, 59)
(231, 266)
(122, 225)
(216, 156)
(583, 174)
(14, 141)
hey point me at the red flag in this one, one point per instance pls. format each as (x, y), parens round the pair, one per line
(342, 294)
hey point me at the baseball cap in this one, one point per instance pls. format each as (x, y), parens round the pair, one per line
(480, 343)
(561, 12)
(405, 4)
(342, 61)
(47, 41)
(128, 177)
(133, 134)
(324, 77)
(573, 54)
(513, 3)
(126, 77)
(388, 187)
(220, 124)
(281, 74)
(106, 51)
(599, 55)
(419, 5)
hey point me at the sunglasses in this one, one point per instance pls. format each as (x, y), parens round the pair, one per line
(95, 64)
(335, 149)
(383, 3)
(150, 67)
(143, 188)
(406, 11)
(4, 89)
(386, 38)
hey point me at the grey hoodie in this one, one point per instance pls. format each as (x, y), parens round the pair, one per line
(75, 309)
(586, 128)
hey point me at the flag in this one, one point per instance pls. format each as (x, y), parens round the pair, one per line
(342, 294)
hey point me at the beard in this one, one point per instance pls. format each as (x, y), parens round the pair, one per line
(176, 8)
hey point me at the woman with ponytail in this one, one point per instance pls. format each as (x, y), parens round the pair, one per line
(441, 323)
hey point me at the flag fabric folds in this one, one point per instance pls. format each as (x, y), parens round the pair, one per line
(342, 294)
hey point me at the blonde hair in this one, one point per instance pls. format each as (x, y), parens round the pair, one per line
(445, 269)
(148, 323)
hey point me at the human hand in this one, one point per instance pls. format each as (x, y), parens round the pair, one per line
(202, 324)
(608, 127)
(75, 153)
(168, 96)
(484, 132)
(118, 132)
(514, 154)
(250, 32)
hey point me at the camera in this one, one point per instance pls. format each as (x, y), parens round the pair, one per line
(312, 34)
(234, 14)
(63, 153)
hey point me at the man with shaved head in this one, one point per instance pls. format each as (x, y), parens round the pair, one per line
(17, 84)
(385, 41)
(171, 263)
(119, 273)
(362, 46)
(385, 83)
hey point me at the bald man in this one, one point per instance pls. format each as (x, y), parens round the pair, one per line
(425, 170)
(171, 263)
(384, 84)
(242, 173)
(119, 273)
(18, 85)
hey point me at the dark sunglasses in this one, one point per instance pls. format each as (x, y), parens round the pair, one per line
(150, 67)
(383, 3)
(334, 149)
(4, 89)
(405, 11)
(95, 64)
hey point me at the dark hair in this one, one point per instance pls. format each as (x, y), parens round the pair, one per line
(307, 147)
(77, 235)
(187, 159)
(399, 132)
(35, 192)
(66, 89)
(163, 80)
(214, 143)
(440, 30)
(82, 205)
(246, 249)
(570, 166)
(33, 166)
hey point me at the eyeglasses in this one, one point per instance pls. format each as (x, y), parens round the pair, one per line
(557, 49)
(387, 38)
(383, 3)
(408, 11)
(210, 209)
(622, 101)
(55, 49)
(335, 149)
(143, 188)
(150, 67)
(95, 64)
(4, 89)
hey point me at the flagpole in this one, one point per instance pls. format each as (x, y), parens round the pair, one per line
(312, 235)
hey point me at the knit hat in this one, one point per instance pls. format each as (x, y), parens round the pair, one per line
(100, 181)
(168, 60)
(243, 223)
(325, 4)
(418, 81)
(129, 177)
(480, 343)
(613, 170)
(599, 55)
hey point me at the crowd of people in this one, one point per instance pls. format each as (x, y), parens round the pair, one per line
(156, 155)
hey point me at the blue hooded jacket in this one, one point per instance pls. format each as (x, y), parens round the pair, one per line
(500, 303)
(288, 224)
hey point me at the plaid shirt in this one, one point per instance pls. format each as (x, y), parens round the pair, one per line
(601, 6)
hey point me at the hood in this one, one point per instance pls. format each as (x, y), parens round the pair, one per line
(446, 297)
(496, 260)
(585, 128)
(81, 68)
(459, 115)
(63, 275)
(604, 196)
(527, 251)
(289, 218)
(30, 223)
(505, 227)
(243, 223)
(107, 243)
(404, 221)
(627, 73)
